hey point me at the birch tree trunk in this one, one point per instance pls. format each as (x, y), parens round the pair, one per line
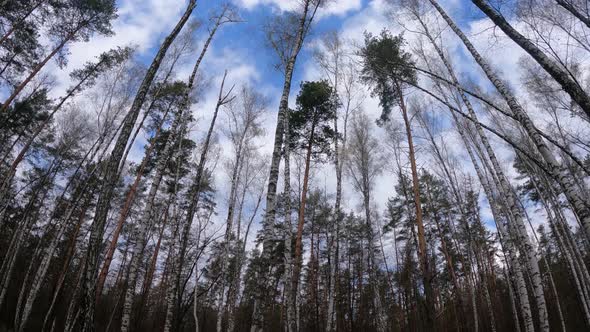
(148, 215)
(88, 293)
(507, 245)
(508, 238)
(569, 85)
(578, 202)
(229, 238)
(273, 178)
(557, 224)
(573, 10)
(291, 294)
(177, 130)
(333, 247)
(552, 164)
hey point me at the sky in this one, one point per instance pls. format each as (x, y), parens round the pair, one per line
(240, 49)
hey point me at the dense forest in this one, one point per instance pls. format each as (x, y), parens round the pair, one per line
(403, 180)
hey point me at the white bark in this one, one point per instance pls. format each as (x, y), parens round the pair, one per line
(290, 295)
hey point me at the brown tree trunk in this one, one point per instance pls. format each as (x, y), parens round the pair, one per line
(297, 258)
(427, 276)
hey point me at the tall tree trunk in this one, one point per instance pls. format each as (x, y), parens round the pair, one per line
(556, 224)
(569, 85)
(552, 164)
(273, 178)
(506, 232)
(230, 239)
(572, 10)
(297, 258)
(143, 224)
(148, 111)
(429, 320)
(148, 215)
(290, 294)
(518, 275)
(88, 293)
(333, 245)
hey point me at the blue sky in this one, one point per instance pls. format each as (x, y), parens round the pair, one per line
(248, 38)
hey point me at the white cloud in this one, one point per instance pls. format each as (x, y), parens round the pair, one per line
(335, 7)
